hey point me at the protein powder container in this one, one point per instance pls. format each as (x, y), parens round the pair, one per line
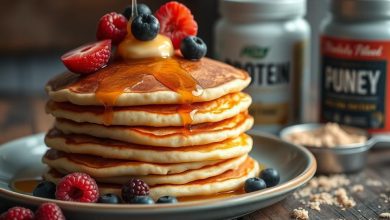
(355, 59)
(270, 40)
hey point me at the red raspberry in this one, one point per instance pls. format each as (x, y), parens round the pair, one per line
(49, 211)
(112, 26)
(88, 58)
(176, 22)
(18, 213)
(135, 187)
(77, 187)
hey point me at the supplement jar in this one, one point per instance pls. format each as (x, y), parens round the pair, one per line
(270, 40)
(355, 64)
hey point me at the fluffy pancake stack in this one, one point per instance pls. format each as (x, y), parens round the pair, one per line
(176, 124)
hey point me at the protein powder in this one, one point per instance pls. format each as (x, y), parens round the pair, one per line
(269, 39)
(355, 59)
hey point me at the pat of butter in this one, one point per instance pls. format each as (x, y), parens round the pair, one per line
(131, 48)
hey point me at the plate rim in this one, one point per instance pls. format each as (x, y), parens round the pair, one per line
(284, 188)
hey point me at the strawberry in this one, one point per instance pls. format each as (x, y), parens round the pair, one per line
(88, 58)
(176, 22)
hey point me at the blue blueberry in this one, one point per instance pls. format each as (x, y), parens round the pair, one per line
(45, 189)
(193, 48)
(141, 9)
(167, 199)
(254, 184)
(270, 176)
(145, 27)
(141, 200)
(109, 199)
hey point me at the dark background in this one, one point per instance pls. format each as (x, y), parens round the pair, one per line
(35, 33)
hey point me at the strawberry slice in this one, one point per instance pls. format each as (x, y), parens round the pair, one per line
(176, 22)
(88, 58)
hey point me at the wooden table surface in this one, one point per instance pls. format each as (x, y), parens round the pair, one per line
(21, 116)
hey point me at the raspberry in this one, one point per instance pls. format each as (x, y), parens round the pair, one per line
(112, 26)
(77, 187)
(176, 22)
(88, 58)
(17, 213)
(49, 211)
(135, 187)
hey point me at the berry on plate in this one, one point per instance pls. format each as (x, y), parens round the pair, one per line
(45, 189)
(112, 26)
(88, 58)
(167, 199)
(270, 176)
(147, 200)
(176, 22)
(109, 199)
(17, 213)
(133, 188)
(145, 27)
(77, 187)
(141, 9)
(193, 48)
(49, 211)
(254, 184)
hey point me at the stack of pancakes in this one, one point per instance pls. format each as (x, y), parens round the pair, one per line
(176, 124)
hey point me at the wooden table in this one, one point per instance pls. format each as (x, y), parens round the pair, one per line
(21, 116)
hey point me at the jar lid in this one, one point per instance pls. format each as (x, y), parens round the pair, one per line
(262, 9)
(361, 9)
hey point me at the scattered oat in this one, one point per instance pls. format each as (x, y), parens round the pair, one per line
(300, 214)
(372, 182)
(343, 200)
(385, 215)
(358, 188)
(315, 205)
(384, 197)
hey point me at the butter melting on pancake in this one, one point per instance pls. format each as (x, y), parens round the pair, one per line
(84, 144)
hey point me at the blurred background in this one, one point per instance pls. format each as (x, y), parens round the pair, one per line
(35, 33)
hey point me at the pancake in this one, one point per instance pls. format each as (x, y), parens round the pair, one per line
(84, 144)
(149, 81)
(231, 180)
(104, 167)
(153, 115)
(166, 136)
(69, 166)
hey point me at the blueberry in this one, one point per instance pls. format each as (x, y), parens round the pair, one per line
(270, 176)
(109, 199)
(145, 27)
(141, 9)
(193, 48)
(45, 189)
(254, 184)
(167, 199)
(141, 200)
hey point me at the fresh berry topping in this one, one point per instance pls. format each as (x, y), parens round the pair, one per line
(112, 26)
(18, 213)
(141, 200)
(176, 22)
(141, 9)
(193, 48)
(270, 176)
(135, 187)
(109, 198)
(88, 58)
(145, 27)
(49, 211)
(45, 189)
(167, 199)
(77, 187)
(254, 184)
